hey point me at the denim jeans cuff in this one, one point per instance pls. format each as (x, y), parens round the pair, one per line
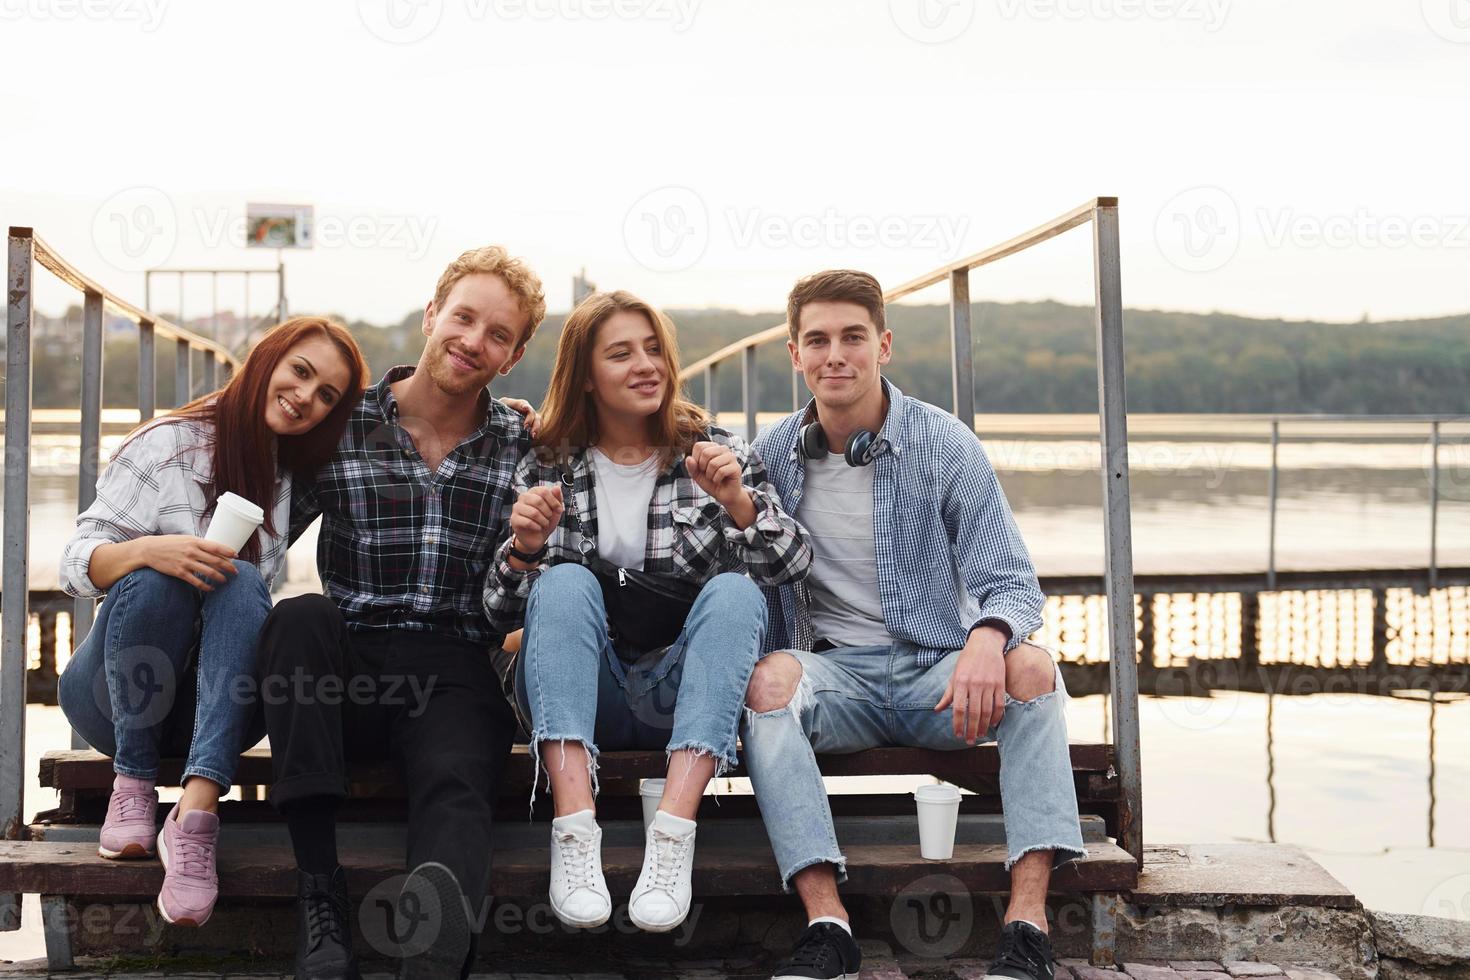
(538, 766)
(216, 776)
(133, 772)
(837, 860)
(1065, 854)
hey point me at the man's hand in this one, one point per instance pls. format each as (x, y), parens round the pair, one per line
(200, 563)
(977, 688)
(529, 416)
(534, 516)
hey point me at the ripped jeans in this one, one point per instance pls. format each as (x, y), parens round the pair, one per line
(571, 684)
(854, 698)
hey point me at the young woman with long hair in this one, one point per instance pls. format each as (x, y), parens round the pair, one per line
(631, 483)
(168, 666)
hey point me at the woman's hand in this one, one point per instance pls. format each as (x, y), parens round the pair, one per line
(529, 416)
(534, 516)
(716, 470)
(200, 563)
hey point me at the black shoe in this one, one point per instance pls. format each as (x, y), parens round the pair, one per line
(825, 951)
(1024, 953)
(433, 924)
(323, 930)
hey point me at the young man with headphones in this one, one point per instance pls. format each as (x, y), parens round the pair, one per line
(910, 629)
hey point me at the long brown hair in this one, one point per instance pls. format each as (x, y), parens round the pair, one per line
(569, 416)
(242, 440)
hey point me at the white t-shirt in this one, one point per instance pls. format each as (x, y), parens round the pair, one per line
(623, 497)
(837, 510)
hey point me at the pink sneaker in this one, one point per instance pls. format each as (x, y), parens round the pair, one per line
(186, 847)
(131, 818)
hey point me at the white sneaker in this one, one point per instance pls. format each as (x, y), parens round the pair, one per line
(660, 900)
(579, 895)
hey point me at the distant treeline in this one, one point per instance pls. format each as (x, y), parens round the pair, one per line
(1029, 357)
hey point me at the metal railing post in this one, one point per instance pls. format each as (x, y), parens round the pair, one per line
(750, 387)
(1434, 504)
(1271, 493)
(90, 460)
(961, 351)
(1117, 525)
(147, 373)
(210, 363)
(14, 579)
(712, 390)
(183, 384)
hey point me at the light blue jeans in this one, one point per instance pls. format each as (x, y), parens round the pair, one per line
(124, 689)
(854, 698)
(572, 686)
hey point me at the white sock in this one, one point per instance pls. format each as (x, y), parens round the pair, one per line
(672, 825)
(583, 823)
(832, 918)
(1040, 929)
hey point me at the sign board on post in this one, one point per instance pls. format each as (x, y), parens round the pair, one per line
(278, 225)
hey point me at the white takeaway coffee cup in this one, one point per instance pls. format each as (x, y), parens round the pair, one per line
(939, 814)
(234, 520)
(652, 791)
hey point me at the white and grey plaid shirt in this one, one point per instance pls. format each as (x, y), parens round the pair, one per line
(160, 482)
(689, 534)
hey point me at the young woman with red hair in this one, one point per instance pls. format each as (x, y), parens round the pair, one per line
(168, 666)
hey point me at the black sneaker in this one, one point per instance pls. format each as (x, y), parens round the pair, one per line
(1024, 953)
(433, 924)
(825, 951)
(323, 931)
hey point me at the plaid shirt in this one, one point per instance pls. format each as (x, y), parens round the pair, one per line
(689, 534)
(404, 547)
(948, 551)
(160, 482)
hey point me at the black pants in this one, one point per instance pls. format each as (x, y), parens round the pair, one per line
(430, 703)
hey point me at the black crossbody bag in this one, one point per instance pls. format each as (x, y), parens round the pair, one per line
(644, 611)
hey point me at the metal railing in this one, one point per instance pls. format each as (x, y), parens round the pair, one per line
(1274, 485)
(26, 249)
(1102, 214)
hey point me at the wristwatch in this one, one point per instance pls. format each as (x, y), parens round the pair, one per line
(531, 558)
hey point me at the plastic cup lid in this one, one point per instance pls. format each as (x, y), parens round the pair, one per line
(652, 787)
(240, 506)
(939, 793)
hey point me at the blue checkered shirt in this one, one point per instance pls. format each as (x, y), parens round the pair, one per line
(948, 551)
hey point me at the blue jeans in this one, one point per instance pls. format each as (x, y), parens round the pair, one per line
(572, 686)
(854, 698)
(135, 690)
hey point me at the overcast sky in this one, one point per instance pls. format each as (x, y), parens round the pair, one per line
(1304, 159)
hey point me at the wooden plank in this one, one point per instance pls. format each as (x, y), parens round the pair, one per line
(1216, 875)
(86, 769)
(270, 872)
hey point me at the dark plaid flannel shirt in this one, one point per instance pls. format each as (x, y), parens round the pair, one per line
(689, 534)
(403, 547)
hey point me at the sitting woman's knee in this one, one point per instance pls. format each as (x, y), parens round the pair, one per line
(773, 682)
(1030, 673)
(568, 575)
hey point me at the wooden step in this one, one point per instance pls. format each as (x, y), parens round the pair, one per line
(720, 868)
(976, 828)
(86, 769)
